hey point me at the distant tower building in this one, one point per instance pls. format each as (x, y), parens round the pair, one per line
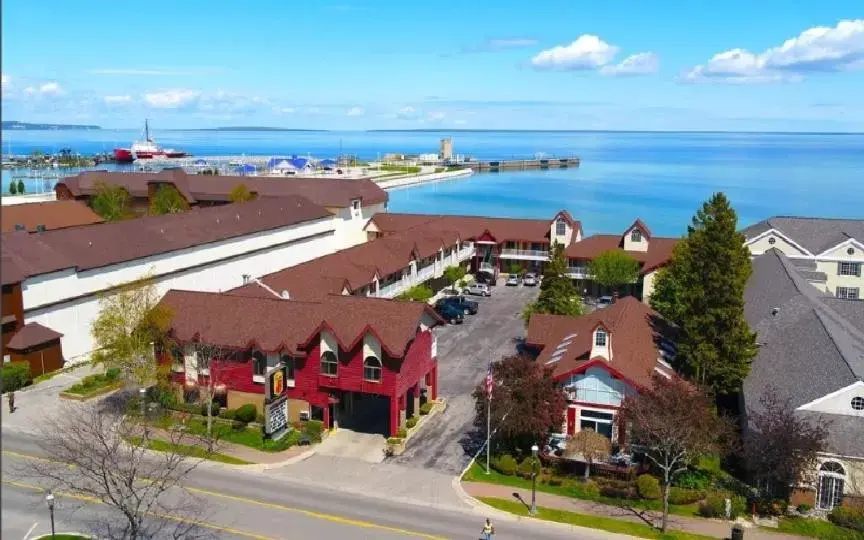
(446, 149)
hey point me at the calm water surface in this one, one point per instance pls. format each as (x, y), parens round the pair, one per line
(659, 177)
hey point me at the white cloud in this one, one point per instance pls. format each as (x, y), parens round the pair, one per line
(586, 53)
(817, 49)
(172, 99)
(117, 100)
(49, 89)
(436, 116)
(643, 63)
(356, 111)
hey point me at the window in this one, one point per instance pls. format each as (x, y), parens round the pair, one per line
(259, 363)
(772, 241)
(829, 490)
(289, 366)
(560, 227)
(355, 205)
(858, 403)
(635, 235)
(600, 338)
(596, 421)
(849, 269)
(372, 369)
(848, 293)
(329, 364)
(850, 251)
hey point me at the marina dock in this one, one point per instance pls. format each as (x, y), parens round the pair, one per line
(522, 164)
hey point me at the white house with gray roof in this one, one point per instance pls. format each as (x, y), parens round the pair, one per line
(828, 252)
(811, 351)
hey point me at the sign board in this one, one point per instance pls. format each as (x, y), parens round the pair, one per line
(275, 382)
(276, 417)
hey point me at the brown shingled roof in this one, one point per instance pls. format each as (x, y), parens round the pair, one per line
(273, 324)
(31, 335)
(94, 246)
(634, 328)
(659, 250)
(53, 215)
(327, 192)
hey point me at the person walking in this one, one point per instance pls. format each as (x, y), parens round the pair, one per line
(488, 531)
(10, 396)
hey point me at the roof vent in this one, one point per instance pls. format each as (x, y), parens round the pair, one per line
(285, 295)
(40, 228)
(775, 310)
(90, 243)
(238, 217)
(20, 227)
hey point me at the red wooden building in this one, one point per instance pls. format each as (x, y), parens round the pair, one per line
(359, 362)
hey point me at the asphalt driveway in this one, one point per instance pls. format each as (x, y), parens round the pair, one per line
(446, 442)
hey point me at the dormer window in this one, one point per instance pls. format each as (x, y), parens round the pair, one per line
(635, 235)
(355, 205)
(600, 338)
(560, 228)
(329, 364)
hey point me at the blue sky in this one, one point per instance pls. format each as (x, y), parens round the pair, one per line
(770, 65)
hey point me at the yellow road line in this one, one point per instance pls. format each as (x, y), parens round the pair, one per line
(178, 519)
(309, 513)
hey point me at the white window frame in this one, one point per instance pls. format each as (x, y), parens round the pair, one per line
(635, 235)
(835, 481)
(379, 368)
(849, 268)
(596, 421)
(334, 362)
(560, 227)
(848, 293)
(599, 335)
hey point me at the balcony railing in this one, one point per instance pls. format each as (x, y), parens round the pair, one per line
(532, 254)
(578, 272)
(465, 253)
(588, 395)
(328, 381)
(426, 273)
(390, 290)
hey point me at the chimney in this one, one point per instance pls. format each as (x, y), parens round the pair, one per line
(40, 229)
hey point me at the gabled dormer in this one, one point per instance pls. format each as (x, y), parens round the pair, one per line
(601, 343)
(636, 237)
(562, 229)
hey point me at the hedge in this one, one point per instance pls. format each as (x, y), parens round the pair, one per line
(314, 428)
(14, 376)
(506, 465)
(426, 408)
(848, 517)
(714, 506)
(246, 413)
(648, 487)
(411, 422)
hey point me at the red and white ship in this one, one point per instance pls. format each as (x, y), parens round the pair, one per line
(146, 149)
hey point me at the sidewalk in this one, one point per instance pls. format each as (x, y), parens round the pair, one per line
(708, 527)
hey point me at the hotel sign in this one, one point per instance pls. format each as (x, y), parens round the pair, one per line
(276, 417)
(275, 382)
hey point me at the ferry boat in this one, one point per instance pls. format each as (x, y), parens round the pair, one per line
(146, 149)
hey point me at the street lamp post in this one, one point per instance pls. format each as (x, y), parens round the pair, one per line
(142, 395)
(49, 498)
(534, 450)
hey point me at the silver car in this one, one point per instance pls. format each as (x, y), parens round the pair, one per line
(478, 289)
(530, 280)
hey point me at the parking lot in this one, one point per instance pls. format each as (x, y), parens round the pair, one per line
(463, 353)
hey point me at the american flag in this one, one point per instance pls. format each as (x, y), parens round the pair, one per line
(490, 381)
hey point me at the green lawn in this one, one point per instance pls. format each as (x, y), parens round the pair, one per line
(594, 522)
(477, 473)
(64, 536)
(251, 437)
(93, 385)
(817, 528)
(400, 168)
(190, 451)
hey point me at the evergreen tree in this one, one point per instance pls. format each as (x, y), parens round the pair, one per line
(666, 297)
(558, 295)
(13, 188)
(167, 200)
(708, 276)
(21, 187)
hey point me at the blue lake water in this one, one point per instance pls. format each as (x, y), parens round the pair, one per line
(659, 177)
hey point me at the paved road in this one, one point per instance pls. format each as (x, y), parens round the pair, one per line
(251, 504)
(445, 443)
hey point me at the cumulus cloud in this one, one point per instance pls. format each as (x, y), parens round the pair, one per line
(588, 52)
(643, 63)
(355, 111)
(172, 99)
(51, 89)
(817, 49)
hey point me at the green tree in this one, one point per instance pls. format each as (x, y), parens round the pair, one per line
(13, 188)
(453, 274)
(241, 193)
(706, 283)
(111, 202)
(558, 295)
(614, 268)
(417, 293)
(130, 323)
(21, 187)
(514, 268)
(167, 200)
(666, 297)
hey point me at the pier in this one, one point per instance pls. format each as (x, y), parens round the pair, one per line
(495, 165)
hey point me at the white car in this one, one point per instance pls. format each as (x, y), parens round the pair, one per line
(512, 281)
(604, 301)
(530, 280)
(478, 289)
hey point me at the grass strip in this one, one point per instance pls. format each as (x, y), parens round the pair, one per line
(189, 451)
(816, 528)
(602, 523)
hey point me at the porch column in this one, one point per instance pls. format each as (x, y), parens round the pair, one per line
(327, 417)
(434, 382)
(417, 400)
(394, 415)
(402, 402)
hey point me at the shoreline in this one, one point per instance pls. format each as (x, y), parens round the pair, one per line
(421, 179)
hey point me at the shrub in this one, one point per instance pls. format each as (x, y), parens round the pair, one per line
(228, 414)
(112, 374)
(848, 517)
(401, 432)
(770, 507)
(14, 376)
(648, 487)
(314, 429)
(246, 413)
(684, 496)
(714, 505)
(618, 493)
(506, 465)
(394, 441)
(591, 489)
(803, 508)
(411, 422)
(426, 408)
(693, 479)
(527, 466)
(215, 408)
(555, 482)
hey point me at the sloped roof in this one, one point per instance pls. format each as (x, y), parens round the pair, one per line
(31, 335)
(635, 333)
(53, 215)
(273, 324)
(810, 345)
(641, 225)
(94, 246)
(327, 192)
(659, 249)
(469, 227)
(814, 234)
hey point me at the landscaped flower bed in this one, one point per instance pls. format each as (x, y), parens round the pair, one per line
(94, 385)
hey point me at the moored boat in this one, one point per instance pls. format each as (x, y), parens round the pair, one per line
(146, 149)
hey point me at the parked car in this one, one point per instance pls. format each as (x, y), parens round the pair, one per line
(604, 301)
(555, 445)
(485, 278)
(468, 307)
(478, 289)
(450, 313)
(512, 281)
(530, 280)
